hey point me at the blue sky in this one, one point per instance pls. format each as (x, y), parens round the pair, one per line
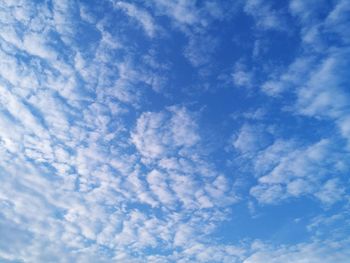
(174, 131)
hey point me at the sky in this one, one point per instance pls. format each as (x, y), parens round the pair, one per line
(174, 131)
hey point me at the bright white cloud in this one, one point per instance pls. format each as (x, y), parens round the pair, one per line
(158, 134)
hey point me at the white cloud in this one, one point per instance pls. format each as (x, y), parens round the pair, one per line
(194, 20)
(251, 139)
(305, 10)
(242, 78)
(61, 175)
(157, 134)
(159, 187)
(331, 191)
(183, 12)
(318, 77)
(79, 184)
(169, 140)
(199, 49)
(142, 16)
(294, 77)
(68, 168)
(324, 93)
(314, 252)
(264, 15)
(286, 170)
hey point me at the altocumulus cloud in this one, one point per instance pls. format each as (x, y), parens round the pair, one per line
(174, 131)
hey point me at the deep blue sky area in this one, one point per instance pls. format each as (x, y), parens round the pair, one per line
(169, 131)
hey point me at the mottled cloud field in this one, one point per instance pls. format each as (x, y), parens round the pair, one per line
(174, 131)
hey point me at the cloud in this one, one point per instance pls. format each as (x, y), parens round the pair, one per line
(61, 168)
(286, 170)
(265, 16)
(194, 21)
(241, 76)
(328, 251)
(156, 134)
(324, 87)
(251, 139)
(70, 138)
(97, 167)
(199, 49)
(142, 16)
(318, 81)
(183, 12)
(170, 140)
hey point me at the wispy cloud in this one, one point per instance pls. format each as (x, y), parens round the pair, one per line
(142, 16)
(265, 16)
(310, 252)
